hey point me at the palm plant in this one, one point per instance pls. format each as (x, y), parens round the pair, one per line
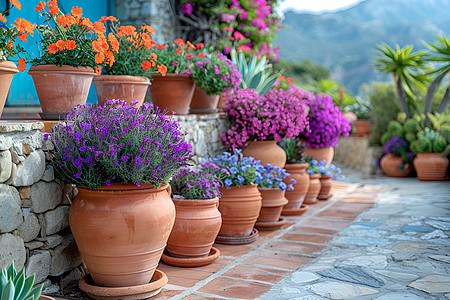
(16, 286)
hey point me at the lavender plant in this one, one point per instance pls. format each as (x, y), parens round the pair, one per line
(399, 146)
(195, 185)
(97, 146)
(272, 178)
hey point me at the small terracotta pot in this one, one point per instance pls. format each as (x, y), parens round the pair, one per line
(391, 164)
(202, 103)
(61, 88)
(7, 71)
(273, 201)
(430, 166)
(266, 152)
(121, 231)
(121, 87)
(314, 189)
(197, 224)
(325, 187)
(172, 92)
(362, 127)
(240, 208)
(297, 195)
(321, 153)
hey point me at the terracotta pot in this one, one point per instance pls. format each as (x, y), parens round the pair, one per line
(121, 87)
(121, 231)
(172, 92)
(297, 195)
(321, 153)
(202, 103)
(240, 208)
(266, 152)
(430, 166)
(390, 164)
(314, 189)
(197, 224)
(221, 103)
(325, 187)
(7, 71)
(61, 88)
(362, 127)
(273, 201)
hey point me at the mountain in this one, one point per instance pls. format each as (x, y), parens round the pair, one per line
(345, 41)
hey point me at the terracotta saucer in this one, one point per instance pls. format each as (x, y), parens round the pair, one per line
(51, 115)
(294, 211)
(311, 202)
(203, 110)
(190, 262)
(144, 291)
(270, 225)
(238, 240)
(325, 198)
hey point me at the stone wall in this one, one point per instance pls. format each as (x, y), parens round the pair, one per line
(355, 153)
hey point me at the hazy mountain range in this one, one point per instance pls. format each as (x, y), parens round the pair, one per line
(345, 41)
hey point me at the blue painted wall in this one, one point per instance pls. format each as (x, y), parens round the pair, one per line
(22, 90)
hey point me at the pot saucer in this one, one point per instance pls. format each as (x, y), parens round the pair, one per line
(144, 291)
(325, 198)
(51, 115)
(311, 202)
(294, 211)
(203, 111)
(238, 240)
(270, 225)
(190, 262)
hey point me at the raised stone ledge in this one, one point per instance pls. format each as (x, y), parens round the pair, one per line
(9, 126)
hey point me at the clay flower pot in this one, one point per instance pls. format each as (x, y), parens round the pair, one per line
(121, 231)
(326, 183)
(297, 195)
(362, 127)
(202, 103)
(122, 87)
(61, 88)
(240, 208)
(391, 164)
(314, 189)
(7, 71)
(197, 224)
(220, 103)
(273, 201)
(266, 152)
(172, 92)
(319, 154)
(430, 166)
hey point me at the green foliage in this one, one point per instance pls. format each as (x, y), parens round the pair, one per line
(395, 128)
(16, 286)
(294, 150)
(340, 97)
(439, 145)
(168, 56)
(429, 140)
(410, 136)
(8, 46)
(305, 72)
(386, 137)
(411, 126)
(440, 121)
(422, 145)
(361, 108)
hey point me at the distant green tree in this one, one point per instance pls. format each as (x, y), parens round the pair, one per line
(304, 72)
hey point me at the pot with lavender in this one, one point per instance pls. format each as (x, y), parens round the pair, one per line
(397, 158)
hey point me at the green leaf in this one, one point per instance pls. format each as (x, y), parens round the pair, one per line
(19, 283)
(35, 293)
(8, 291)
(27, 287)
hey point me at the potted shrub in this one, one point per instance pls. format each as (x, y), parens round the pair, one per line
(240, 202)
(197, 221)
(329, 173)
(121, 159)
(129, 77)
(258, 122)
(397, 159)
(361, 108)
(213, 74)
(272, 189)
(314, 180)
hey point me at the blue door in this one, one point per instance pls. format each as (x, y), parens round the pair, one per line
(22, 90)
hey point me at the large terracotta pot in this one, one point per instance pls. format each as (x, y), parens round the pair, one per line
(61, 88)
(326, 183)
(172, 92)
(7, 71)
(121, 87)
(430, 166)
(362, 127)
(267, 152)
(314, 189)
(221, 103)
(319, 154)
(202, 103)
(273, 201)
(197, 224)
(390, 164)
(240, 208)
(297, 195)
(121, 231)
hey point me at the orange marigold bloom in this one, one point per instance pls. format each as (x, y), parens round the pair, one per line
(52, 48)
(178, 51)
(99, 27)
(97, 46)
(53, 8)
(86, 22)
(180, 42)
(126, 30)
(98, 70)
(24, 25)
(146, 65)
(76, 11)
(148, 28)
(70, 20)
(110, 57)
(61, 20)
(99, 58)
(153, 56)
(162, 69)
(281, 77)
(146, 37)
(200, 46)
(61, 45)
(23, 36)
(40, 6)
(9, 44)
(149, 45)
(22, 64)
(2, 18)
(70, 44)
(289, 80)
(201, 54)
(114, 42)
(110, 18)
(153, 63)
(160, 46)
(191, 45)
(16, 4)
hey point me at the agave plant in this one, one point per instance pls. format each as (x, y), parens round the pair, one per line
(15, 286)
(257, 74)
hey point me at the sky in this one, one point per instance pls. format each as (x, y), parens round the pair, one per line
(316, 6)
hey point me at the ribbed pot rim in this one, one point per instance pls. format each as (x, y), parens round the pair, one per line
(125, 187)
(315, 176)
(296, 166)
(238, 187)
(194, 202)
(64, 69)
(8, 66)
(137, 80)
(262, 142)
(315, 148)
(171, 76)
(430, 154)
(326, 176)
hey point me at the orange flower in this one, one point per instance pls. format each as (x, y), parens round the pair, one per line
(110, 57)
(22, 64)
(289, 80)
(114, 42)
(189, 55)
(146, 37)
(62, 21)
(201, 54)
(70, 45)
(99, 58)
(110, 18)
(24, 25)
(40, 6)
(153, 56)
(160, 46)
(70, 20)
(281, 77)
(126, 30)
(162, 69)
(99, 27)
(98, 70)
(146, 65)
(2, 18)
(97, 46)
(148, 28)
(180, 42)
(200, 46)
(76, 11)
(16, 4)
(190, 45)
(86, 22)
(9, 44)
(178, 51)
(23, 36)
(61, 45)
(153, 63)
(149, 45)
(52, 48)
(53, 8)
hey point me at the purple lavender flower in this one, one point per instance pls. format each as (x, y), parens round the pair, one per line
(187, 8)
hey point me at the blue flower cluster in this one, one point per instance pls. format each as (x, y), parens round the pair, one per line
(272, 177)
(3, 24)
(320, 167)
